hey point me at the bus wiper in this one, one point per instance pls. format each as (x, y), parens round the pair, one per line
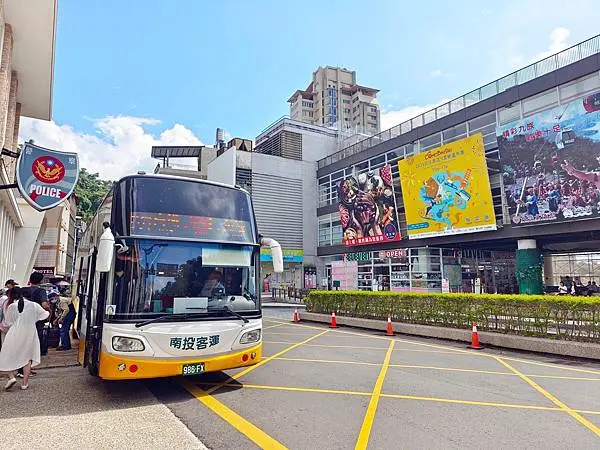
(169, 317)
(231, 312)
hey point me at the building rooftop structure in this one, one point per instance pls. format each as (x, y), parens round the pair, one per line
(538, 69)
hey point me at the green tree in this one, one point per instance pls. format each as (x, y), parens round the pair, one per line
(90, 190)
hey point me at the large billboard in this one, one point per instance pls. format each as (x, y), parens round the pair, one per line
(446, 190)
(368, 208)
(550, 164)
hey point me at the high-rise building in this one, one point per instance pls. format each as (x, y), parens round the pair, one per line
(334, 99)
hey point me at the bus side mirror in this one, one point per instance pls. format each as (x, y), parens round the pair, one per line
(106, 249)
(276, 253)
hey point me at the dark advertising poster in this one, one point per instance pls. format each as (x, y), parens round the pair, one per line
(551, 163)
(368, 208)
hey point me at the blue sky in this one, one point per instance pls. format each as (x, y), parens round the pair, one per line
(132, 73)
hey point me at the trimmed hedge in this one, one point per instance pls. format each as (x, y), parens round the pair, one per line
(556, 317)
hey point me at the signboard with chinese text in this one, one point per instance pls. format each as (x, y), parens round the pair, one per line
(46, 177)
(550, 164)
(194, 343)
(447, 190)
(367, 206)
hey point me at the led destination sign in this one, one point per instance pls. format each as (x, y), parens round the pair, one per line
(190, 227)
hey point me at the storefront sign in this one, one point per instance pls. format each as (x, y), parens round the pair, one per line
(289, 255)
(346, 272)
(550, 164)
(447, 190)
(44, 270)
(46, 177)
(367, 206)
(358, 256)
(398, 253)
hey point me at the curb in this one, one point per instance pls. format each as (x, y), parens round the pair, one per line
(531, 344)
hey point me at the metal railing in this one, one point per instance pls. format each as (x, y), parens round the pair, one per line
(289, 294)
(547, 65)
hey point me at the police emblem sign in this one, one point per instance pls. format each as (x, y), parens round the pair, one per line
(46, 177)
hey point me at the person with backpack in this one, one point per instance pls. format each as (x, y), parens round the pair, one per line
(33, 292)
(65, 316)
(22, 346)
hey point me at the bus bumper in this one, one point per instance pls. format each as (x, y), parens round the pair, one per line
(116, 367)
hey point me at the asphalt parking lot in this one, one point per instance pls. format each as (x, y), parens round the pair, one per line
(321, 388)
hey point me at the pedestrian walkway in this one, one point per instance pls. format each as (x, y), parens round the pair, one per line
(68, 408)
(56, 358)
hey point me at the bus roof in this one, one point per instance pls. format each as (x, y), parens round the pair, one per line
(179, 177)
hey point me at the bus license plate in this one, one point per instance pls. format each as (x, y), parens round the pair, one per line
(192, 369)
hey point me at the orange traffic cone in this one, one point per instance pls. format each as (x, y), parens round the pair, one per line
(296, 316)
(475, 338)
(333, 321)
(390, 330)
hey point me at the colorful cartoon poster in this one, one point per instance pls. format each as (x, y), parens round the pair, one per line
(551, 164)
(447, 191)
(368, 208)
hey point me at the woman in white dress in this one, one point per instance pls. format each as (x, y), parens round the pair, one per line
(21, 344)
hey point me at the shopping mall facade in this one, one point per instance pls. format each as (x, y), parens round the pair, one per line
(543, 213)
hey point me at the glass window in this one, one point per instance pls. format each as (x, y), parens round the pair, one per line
(509, 114)
(541, 101)
(375, 162)
(455, 133)
(430, 142)
(481, 121)
(579, 87)
(156, 277)
(194, 210)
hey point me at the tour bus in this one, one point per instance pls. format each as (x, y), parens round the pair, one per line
(168, 275)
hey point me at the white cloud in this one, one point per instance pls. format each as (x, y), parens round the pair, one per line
(558, 41)
(121, 145)
(393, 118)
(436, 73)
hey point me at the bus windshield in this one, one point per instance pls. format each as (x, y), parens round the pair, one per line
(156, 277)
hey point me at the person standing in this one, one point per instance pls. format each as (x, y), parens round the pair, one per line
(65, 317)
(33, 292)
(22, 346)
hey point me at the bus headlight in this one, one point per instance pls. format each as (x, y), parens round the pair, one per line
(250, 337)
(127, 344)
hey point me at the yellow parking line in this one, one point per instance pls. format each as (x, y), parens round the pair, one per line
(399, 396)
(469, 402)
(331, 346)
(273, 326)
(328, 361)
(458, 350)
(553, 366)
(552, 398)
(492, 372)
(416, 366)
(450, 369)
(420, 350)
(294, 389)
(264, 361)
(252, 432)
(279, 333)
(365, 431)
